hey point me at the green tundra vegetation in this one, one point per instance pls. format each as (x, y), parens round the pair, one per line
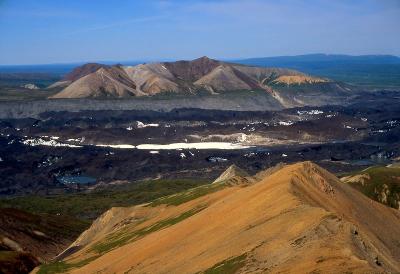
(89, 205)
(379, 183)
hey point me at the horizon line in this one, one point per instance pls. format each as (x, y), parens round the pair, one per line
(152, 60)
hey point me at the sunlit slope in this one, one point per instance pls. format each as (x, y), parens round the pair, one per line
(298, 219)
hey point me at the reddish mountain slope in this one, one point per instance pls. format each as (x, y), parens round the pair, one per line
(82, 71)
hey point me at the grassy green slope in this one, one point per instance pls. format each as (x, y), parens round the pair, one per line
(127, 235)
(88, 206)
(381, 184)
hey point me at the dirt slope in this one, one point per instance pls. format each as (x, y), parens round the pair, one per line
(223, 77)
(234, 176)
(152, 78)
(298, 219)
(105, 82)
(297, 80)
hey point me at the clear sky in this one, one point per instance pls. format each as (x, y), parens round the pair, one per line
(58, 31)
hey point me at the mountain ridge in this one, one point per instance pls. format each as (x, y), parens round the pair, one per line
(298, 218)
(181, 77)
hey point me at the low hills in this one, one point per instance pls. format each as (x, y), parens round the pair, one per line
(295, 219)
(181, 77)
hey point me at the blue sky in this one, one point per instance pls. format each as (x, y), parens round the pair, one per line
(58, 31)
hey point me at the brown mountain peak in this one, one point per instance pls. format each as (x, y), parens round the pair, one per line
(231, 172)
(82, 71)
(204, 58)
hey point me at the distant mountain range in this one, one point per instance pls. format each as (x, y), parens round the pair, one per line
(322, 59)
(182, 77)
(374, 71)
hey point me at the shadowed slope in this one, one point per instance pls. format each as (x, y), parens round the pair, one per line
(27, 239)
(192, 71)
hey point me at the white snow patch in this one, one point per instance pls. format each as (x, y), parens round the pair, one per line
(183, 155)
(79, 140)
(154, 152)
(43, 142)
(334, 114)
(203, 145)
(180, 146)
(283, 123)
(143, 125)
(118, 146)
(284, 155)
(217, 159)
(310, 112)
(129, 128)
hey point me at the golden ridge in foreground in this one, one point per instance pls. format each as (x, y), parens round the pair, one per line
(299, 219)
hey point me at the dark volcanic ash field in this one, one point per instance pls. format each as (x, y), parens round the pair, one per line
(56, 151)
